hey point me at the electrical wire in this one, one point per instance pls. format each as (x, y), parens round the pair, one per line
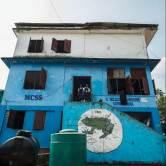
(131, 43)
(56, 11)
(46, 94)
(154, 55)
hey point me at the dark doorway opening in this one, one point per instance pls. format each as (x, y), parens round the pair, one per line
(77, 80)
(143, 117)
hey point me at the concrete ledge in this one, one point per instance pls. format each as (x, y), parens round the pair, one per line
(44, 150)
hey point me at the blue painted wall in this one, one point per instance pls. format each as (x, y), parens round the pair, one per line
(55, 93)
(57, 75)
(52, 123)
(139, 144)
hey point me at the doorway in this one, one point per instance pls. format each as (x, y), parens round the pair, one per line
(77, 80)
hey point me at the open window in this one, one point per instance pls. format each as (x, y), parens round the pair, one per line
(39, 120)
(77, 80)
(35, 79)
(16, 119)
(35, 46)
(139, 81)
(61, 46)
(140, 116)
(116, 81)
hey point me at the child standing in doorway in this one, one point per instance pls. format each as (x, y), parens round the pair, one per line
(80, 93)
(86, 93)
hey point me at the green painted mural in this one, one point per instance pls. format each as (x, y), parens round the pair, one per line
(103, 124)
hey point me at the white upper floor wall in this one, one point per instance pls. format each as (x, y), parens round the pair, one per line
(87, 43)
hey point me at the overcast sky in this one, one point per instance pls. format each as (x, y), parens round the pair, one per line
(81, 11)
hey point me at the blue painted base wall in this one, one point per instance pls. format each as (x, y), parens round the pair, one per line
(52, 123)
(15, 97)
(139, 144)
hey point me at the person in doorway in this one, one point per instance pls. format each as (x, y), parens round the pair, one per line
(80, 93)
(87, 93)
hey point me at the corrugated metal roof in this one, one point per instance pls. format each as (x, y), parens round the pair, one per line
(110, 25)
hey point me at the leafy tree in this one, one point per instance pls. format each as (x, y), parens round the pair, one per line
(161, 104)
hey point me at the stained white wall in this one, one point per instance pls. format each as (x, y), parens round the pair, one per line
(86, 45)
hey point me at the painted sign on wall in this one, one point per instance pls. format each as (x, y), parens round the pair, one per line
(103, 129)
(33, 97)
(116, 101)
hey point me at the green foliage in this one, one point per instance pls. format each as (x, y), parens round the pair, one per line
(161, 104)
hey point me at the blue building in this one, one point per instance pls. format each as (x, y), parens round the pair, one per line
(50, 62)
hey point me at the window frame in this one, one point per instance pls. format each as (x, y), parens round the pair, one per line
(10, 111)
(41, 46)
(115, 78)
(35, 79)
(138, 78)
(66, 48)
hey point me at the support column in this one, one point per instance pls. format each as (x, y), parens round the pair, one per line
(155, 120)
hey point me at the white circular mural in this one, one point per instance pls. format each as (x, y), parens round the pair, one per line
(103, 129)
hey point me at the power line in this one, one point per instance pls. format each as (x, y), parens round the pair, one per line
(131, 43)
(56, 11)
(154, 55)
(46, 94)
(121, 39)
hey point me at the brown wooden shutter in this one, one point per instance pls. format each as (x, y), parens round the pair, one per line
(108, 85)
(67, 46)
(154, 87)
(43, 78)
(110, 73)
(41, 47)
(129, 85)
(29, 44)
(145, 86)
(138, 73)
(54, 45)
(11, 119)
(39, 120)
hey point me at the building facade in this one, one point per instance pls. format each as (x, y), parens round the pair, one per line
(50, 61)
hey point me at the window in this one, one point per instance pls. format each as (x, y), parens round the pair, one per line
(16, 119)
(139, 81)
(61, 46)
(35, 79)
(39, 120)
(116, 81)
(35, 46)
(140, 116)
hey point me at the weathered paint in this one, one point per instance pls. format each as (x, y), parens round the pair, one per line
(140, 144)
(102, 128)
(52, 123)
(86, 45)
(53, 98)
